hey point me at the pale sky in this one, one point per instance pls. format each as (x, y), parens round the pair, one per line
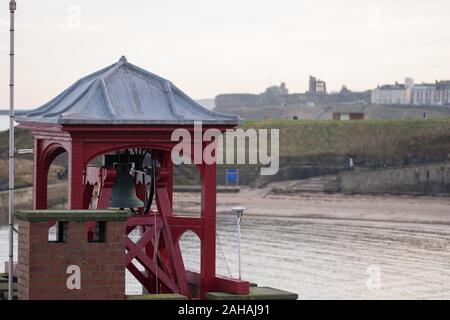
(208, 47)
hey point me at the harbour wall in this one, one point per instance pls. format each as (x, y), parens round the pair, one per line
(432, 179)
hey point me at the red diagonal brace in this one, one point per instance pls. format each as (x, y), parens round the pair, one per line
(140, 276)
(163, 204)
(146, 237)
(150, 265)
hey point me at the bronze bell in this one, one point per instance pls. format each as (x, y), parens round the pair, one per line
(123, 193)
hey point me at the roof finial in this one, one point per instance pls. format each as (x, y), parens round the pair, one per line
(123, 59)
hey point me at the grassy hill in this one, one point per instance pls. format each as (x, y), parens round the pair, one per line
(370, 138)
(315, 145)
(22, 137)
(393, 138)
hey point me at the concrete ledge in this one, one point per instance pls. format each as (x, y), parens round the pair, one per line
(167, 296)
(256, 293)
(72, 215)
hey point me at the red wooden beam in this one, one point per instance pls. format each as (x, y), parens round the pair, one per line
(150, 265)
(145, 238)
(231, 285)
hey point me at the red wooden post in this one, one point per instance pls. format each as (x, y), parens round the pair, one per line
(208, 213)
(76, 169)
(39, 176)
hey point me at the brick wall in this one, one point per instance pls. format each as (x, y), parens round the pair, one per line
(42, 265)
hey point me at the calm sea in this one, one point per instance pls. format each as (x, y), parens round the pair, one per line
(324, 258)
(4, 123)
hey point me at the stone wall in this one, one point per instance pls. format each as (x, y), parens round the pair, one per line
(433, 179)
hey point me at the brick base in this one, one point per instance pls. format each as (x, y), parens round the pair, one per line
(42, 265)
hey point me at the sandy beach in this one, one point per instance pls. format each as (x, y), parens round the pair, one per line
(259, 202)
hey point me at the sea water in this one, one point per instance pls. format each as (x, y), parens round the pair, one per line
(325, 258)
(4, 123)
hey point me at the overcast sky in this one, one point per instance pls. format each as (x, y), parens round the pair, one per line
(208, 47)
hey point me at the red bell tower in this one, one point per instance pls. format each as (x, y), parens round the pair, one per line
(125, 108)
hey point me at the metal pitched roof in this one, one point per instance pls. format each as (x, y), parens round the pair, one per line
(124, 94)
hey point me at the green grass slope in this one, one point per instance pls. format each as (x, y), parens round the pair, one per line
(370, 138)
(322, 141)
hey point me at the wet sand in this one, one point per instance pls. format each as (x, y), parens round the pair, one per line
(423, 209)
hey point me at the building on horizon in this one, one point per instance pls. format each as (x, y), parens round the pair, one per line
(277, 90)
(433, 94)
(317, 86)
(409, 93)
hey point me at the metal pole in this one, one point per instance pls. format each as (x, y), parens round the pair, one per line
(239, 250)
(156, 243)
(239, 213)
(12, 8)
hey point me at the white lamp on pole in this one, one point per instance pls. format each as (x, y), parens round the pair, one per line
(239, 213)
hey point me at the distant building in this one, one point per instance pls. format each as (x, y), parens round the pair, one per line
(348, 116)
(277, 90)
(393, 93)
(435, 94)
(344, 91)
(317, 86)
